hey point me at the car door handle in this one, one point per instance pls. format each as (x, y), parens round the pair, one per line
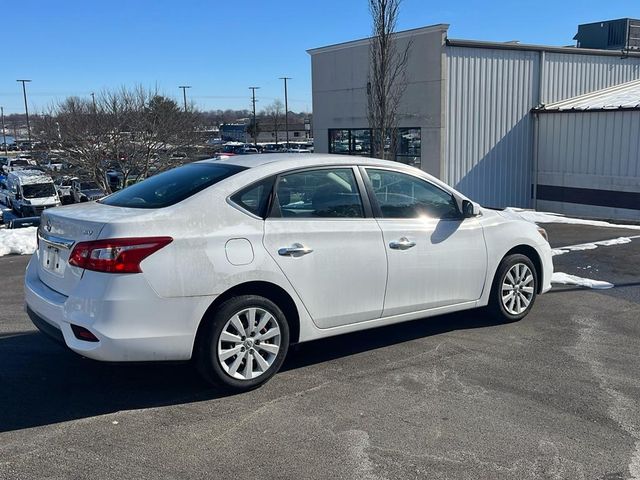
(295, 250)
(402, 244)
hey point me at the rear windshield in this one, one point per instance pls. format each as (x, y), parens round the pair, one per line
(89, 186)
(171, 187)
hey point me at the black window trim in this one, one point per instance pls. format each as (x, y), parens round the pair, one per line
(273, 210)
(374, 200)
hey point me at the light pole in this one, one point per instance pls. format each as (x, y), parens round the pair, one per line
(286, 109)
(26, 108)
(255, 124)
(184, 94)
(93, 99)
(4, 135)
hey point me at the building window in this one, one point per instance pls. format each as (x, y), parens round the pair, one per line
(357, 141)
(408, 149)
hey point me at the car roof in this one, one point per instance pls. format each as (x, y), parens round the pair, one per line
(27, 177)
(302, 160)
(264, 164)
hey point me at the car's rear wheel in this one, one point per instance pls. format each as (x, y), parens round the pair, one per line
(244, 343)
(514, 288)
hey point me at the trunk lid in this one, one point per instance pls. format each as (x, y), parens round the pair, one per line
(60, 229)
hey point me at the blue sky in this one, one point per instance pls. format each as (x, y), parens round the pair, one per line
(223, 47)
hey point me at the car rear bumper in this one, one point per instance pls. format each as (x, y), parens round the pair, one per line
(129, 320)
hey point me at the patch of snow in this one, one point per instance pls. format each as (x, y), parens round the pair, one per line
(548, 217)
(566, 279)
(21, 241)
(592, 245)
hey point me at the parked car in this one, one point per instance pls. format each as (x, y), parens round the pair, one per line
(228, 262)
(63, 188)
(4, 191)
(298, 149)
(31, 192)
(54, 164)
(86, 191)
(18, 164)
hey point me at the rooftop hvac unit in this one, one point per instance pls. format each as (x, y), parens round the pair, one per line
(622, 34)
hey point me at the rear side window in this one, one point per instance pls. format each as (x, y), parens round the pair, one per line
(171, 187)
(255, 198)
(324, 193)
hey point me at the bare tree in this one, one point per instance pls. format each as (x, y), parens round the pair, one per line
(130, 131)
(387, 77)
(273, 112)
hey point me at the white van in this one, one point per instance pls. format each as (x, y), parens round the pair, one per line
(30, 192)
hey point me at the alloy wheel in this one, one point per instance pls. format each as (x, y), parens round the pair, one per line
(518, 287)
(249, 343)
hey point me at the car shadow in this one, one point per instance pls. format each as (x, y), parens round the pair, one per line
(43, 383)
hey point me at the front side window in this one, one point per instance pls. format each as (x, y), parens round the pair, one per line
(404, 196)
(171, 187)
(323, 193)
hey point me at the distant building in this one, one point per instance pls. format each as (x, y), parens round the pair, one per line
(238, 132)
(233, 132)
(467, 114)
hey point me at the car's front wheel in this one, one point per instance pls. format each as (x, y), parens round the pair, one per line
(244, 343)
(514, 288)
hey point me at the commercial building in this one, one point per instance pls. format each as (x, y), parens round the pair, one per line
(588, 154)
(467, 114)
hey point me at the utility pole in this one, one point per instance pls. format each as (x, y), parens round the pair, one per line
(26, 108)
(286, 109)
(4, 135)
(255, 123)
(184, 94)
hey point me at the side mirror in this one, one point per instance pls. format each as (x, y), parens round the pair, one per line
(469, 209)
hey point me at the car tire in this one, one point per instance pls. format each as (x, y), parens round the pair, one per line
(242, 360)
(514, 289)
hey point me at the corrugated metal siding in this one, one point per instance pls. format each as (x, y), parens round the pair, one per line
(599, 150)
(592, 151)
(568, 75)
(489, 130)
(489, 133)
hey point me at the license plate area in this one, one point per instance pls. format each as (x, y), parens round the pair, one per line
(51, 261)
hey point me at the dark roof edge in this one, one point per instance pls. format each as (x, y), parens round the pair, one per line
(452, 42)
(584, 110)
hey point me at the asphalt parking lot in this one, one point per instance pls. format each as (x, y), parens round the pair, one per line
(555, 396)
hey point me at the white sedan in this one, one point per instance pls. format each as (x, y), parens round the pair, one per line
(228, 262)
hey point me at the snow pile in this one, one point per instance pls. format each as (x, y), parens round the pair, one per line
(592, 245)
(566, 279)
(21, 241)
(547, 217)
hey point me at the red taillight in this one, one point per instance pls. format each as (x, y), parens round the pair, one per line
(116, 255)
